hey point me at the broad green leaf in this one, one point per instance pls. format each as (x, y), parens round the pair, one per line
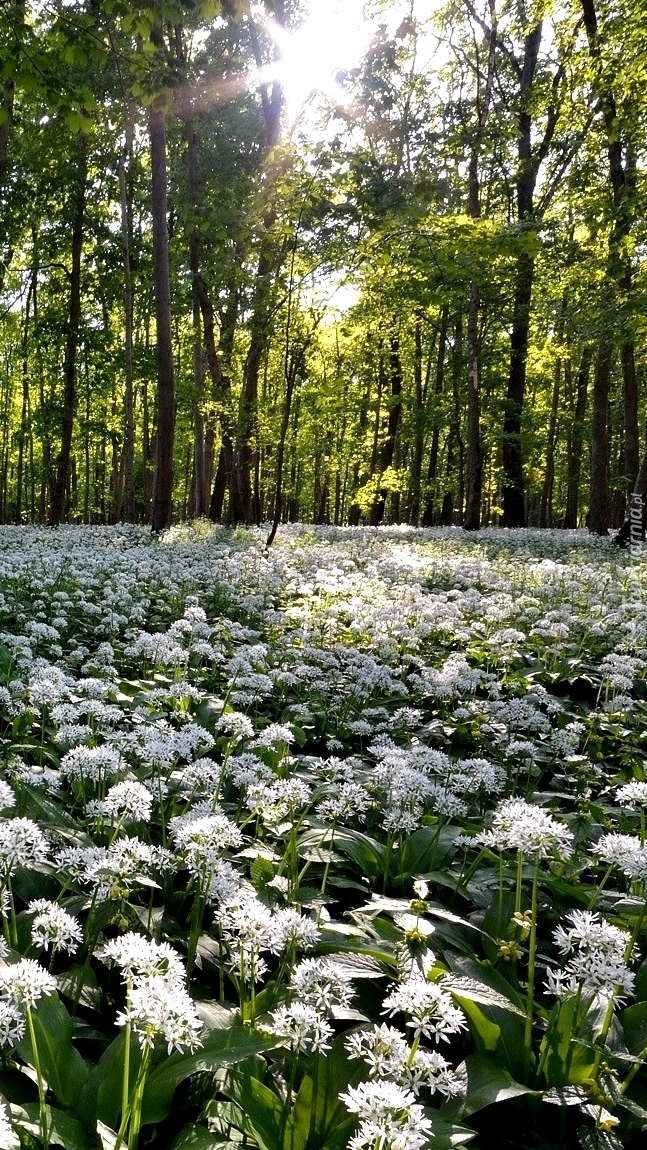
(485, 1082)
(64, 1129)
(221, 1048)
(262, 1108)
(634, 1024)
(592, 1139)
(62, 1066)
(193, 1137)
(469, 988)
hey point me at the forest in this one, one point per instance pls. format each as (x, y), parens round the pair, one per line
(249, 274)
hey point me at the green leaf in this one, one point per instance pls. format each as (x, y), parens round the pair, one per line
(469, 988)
(100, 1098)
(485, 1082)
(61, 1064)
(221, 1048)
(298, 1124)
(634, 1024)
(262, 1108)
(592, 1139)
(65, 1130)
(193, 1137)
(425, 850)
(446, 1135)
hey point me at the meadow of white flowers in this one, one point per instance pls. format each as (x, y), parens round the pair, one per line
(336, 847)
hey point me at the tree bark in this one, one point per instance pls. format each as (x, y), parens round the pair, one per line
(600, 502)
(61, 480)
(576, 439)
(127, 508)
(165, 425)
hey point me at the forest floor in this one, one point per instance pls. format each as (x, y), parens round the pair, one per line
(336, 846)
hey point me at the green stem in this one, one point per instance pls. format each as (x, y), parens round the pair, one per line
(44, 1133)
(532, 948)
(125, 1087)
(517, 897)
(138, 1096)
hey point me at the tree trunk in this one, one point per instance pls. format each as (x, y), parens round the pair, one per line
(439, 384)
(546, 504)
(127, 509)
(514, 514)
(474, 481)
(395, 408)
(61, 480)
(600, 502)
(576, 439)
(165, 425)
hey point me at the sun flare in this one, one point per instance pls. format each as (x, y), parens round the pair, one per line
(331, 40)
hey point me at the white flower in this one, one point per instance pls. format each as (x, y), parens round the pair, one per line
(625, 852)
(302, 1026)
(632, 794)
(389, 1117)
(22, 843)
(24, 982)
(518, 825)
(12, 1023)
(53, 926)
(131, 798)
(158, 1007)
(142, 958)
(320, 982)
(430, 1008)
(7, 796)
(596, 957)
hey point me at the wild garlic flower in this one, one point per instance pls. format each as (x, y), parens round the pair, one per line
(389, 1116)
(7, 796)
(25, 982)
(429, 1008)
(321, 983)
(94, 763)
(128, 798)
(388, 1055)
(236, 725)
(53, 926)
(632, 795)
(157, 1006)
(596, 951)
(624, 851)
(303, 1027)
(7, 1136)
(518, 825)
(12, 1023)
(142, 958)
(22, 843)
(202, 841)
(345, 801)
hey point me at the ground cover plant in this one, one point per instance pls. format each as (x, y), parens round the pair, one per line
(336, 846)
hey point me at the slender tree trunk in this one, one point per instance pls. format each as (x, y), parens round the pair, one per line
(394, 410)
(439, 384)
(25, 399)
(245, 500)
(419, 427)
(576, 439)
(165, 425)
(128, 458)
(546, 504)
(600, 501)
(514, 513)
(474, 480)
(61, 481)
